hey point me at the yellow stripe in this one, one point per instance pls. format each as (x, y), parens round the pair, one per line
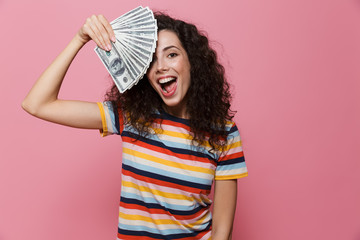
(147, 219)
(104, 130)
(189, 137)
(228, 177)
(198, 222)
(160, 221)
(229, 124)
(167, 162)
(233, 145)
(158, 192)
(160, 131)
(183, 135)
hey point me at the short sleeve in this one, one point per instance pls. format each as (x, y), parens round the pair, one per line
(110, 119)
(231, 163)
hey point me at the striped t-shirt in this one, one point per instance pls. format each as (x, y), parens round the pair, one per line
(166, 180)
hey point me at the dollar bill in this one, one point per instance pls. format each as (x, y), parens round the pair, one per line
(131, 54)
(116, 67)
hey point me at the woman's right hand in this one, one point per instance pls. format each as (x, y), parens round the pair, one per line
(97, 28)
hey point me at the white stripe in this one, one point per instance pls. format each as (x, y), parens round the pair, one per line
(231, 172)
(157, 197)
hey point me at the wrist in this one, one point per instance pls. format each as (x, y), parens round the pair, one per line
(79, 40)
(220, 236)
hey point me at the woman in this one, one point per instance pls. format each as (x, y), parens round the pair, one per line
(176, 130)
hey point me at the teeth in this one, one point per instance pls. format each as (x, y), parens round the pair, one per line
(165, 80)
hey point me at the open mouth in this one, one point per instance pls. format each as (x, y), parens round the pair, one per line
(168, 85)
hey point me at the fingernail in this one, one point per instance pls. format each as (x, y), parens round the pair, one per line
(113, 39)
(109, 47)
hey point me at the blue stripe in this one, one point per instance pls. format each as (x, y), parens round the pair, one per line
(164, 115)
(231, 137)
(233, 129)
(232, 161)
(153, 230)
(178, 176)
(114, 117)
(231, 167)
(155, 201)
(158, 206)
(117, 123)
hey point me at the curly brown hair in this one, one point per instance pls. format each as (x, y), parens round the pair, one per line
(209, 97)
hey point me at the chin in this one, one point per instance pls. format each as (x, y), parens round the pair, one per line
(171, 103)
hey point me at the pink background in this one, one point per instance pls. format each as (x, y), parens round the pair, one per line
(294, 67)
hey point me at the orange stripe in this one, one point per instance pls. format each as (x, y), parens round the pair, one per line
(104, 130)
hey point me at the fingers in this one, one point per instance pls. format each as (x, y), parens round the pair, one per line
(108, 27)
(100, 31)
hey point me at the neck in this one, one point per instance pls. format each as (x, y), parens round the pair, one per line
(177, 111)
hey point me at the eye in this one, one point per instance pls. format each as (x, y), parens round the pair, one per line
(171, 55)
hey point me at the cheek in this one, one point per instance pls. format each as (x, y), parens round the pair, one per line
(148, 75)
(188, 75)
(152, 83)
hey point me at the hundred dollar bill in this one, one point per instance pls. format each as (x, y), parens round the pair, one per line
(140, 25)
(132, 52)
(137, 15)
(127, 15)
(116, 67)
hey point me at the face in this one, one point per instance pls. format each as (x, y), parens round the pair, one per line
(169, 73)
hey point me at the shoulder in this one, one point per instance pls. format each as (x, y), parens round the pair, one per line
(230, 127)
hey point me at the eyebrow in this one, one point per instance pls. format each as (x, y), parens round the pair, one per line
(168, 47)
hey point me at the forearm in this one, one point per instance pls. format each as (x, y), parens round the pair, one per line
(221, 235)
(42, 100)
(224, 209)
(47, 87)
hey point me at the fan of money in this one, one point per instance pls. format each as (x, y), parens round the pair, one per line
(131, 54)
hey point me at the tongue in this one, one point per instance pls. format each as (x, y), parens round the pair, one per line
(169, 86)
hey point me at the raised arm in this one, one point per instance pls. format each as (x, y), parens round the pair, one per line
(224, 209)
(42, 100)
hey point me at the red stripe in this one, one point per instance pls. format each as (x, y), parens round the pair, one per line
(172, 123)
(121, 121)
(129, 237)
(232, 156)
(167, 151)
(162, 211)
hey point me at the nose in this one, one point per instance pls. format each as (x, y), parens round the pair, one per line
(161, 66)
